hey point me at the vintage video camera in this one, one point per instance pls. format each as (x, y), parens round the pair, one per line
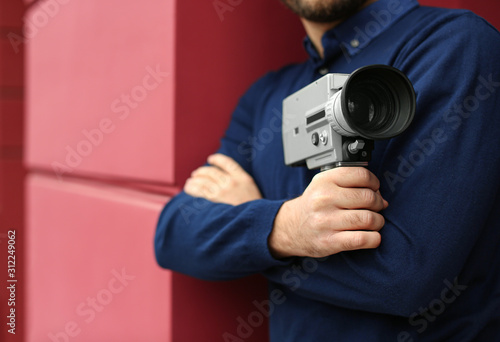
(334, 121)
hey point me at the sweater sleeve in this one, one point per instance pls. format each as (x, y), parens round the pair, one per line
(216, 241)
(441, 179)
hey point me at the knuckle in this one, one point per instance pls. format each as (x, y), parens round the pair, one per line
(374, 220)
(318, 220)
(188, 189)
(317, 201)
(230, 183)
(196, 171)
(353, 241)
(368, 197)
(368, 219)
(189, 185)
(318, 178)
(335, 176)
(359, 218)
(245, 177)
(357, 240)
(363, 174)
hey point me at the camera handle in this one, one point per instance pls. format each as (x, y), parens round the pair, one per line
(343, 164)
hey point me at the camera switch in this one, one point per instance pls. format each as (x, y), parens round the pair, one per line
(315, 139)
(355, 146)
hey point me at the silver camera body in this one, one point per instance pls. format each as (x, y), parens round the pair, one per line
(334, 121)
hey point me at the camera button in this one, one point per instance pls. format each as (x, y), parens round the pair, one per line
(315, 139)
(323, 137)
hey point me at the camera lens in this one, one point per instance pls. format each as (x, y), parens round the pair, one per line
(370, 105)
(378, 102)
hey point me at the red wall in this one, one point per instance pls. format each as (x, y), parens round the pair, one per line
(217, 58)
(488, 9)
(123, 99)
(11, 168)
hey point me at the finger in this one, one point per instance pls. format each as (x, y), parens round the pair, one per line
(225, 163)
(200, 187)
(348, 241)
(214, 173)
(359, 198)
(353, 177)
(356, 220)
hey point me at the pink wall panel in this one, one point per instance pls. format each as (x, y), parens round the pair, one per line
(91, 266)
(100, 99)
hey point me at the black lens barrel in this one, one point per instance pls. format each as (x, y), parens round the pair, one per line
(378, 102)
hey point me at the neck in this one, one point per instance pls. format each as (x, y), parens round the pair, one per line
(315, 31)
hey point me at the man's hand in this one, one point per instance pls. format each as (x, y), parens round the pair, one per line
(337, 212)
(223, 181)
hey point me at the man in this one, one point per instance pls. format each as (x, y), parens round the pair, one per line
(405, 250)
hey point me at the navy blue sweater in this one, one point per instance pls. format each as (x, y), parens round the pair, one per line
(436, 274)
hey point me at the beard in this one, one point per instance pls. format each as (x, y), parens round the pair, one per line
(324, 11)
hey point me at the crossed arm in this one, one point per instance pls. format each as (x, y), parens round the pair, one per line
(338, 211)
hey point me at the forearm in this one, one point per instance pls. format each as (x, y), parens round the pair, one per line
(215, 241)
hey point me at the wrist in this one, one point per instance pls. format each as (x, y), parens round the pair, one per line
(280, 242)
